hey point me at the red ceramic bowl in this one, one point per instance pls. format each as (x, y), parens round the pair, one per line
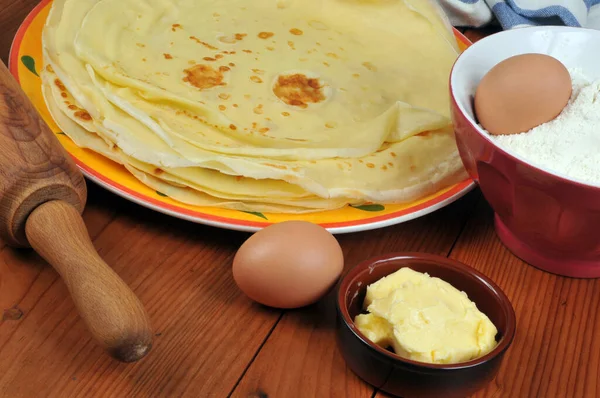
(406, 378)
(545, 218)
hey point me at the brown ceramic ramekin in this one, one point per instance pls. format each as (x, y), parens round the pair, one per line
(406, 378)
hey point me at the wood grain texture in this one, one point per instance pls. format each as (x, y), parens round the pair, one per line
(20, 268)
(111, 311)
(42, 194)
(206, 330)
(556, 352)
(12, 13)
(29, 285)
(34, 167)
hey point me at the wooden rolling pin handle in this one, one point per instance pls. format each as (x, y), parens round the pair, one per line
(112, 312)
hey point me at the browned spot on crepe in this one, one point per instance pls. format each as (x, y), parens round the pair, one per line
(370, 66)
(83, 115)
(203, 77)
(60, 85)
(265, 35)
(298, 90)
(210, 47)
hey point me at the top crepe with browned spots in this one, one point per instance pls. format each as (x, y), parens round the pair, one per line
(343, 100)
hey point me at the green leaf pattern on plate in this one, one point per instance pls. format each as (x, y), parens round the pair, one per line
(371, 207)
(29, 63)
(255, 213)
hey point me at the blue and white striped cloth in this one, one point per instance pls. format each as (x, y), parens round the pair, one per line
(520, 13)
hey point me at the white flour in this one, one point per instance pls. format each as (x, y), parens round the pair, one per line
(570, 144)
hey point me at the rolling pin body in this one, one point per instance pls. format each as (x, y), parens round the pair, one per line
(42, 195)
(34, 167)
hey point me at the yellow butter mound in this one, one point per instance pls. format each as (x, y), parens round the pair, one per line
(425, 319)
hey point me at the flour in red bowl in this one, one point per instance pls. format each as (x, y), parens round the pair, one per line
(568, 145)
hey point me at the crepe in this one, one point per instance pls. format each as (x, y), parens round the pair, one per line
(195, 186)
(280, 105)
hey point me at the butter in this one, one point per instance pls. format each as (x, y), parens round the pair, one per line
(425, 319)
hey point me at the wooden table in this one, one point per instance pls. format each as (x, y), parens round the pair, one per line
(211, 341)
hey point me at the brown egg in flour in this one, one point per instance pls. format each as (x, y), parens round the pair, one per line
(288, 265)
(521, 93)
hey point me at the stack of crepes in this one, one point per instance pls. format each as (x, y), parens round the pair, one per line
(266, 105)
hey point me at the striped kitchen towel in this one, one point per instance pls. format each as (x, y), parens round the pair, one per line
(520, 13)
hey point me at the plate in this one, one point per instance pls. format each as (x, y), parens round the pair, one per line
(25, 63)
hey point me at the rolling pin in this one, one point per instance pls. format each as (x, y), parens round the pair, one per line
(42, 196)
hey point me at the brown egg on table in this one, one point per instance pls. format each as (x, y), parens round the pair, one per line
(521, 93)
(288, 265)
